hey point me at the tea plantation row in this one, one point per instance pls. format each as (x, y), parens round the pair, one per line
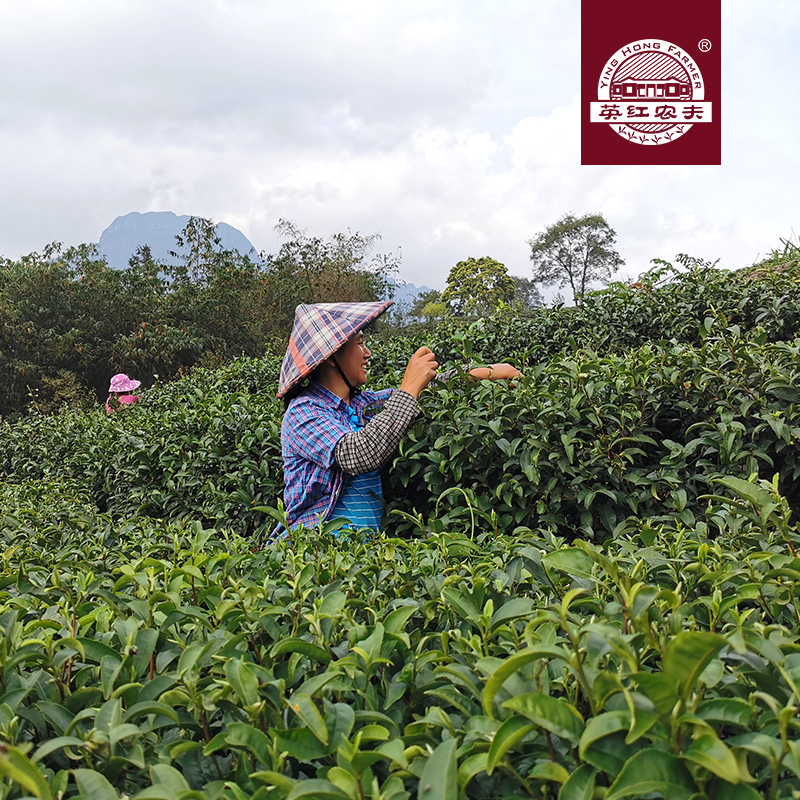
(164, 660)
(584, 444)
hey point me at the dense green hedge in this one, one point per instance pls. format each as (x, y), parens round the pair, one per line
(663, 305)
(206, 447)
(580, 444)
(585, 441)
(487, 665)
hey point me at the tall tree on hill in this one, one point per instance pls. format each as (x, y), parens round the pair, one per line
(339, 268)
(526, 294)
(428, 306)
(575, 252)
(477, 285)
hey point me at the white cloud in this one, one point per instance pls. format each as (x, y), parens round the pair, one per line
(450, 127)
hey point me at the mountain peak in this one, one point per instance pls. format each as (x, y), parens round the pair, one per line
(158, 229)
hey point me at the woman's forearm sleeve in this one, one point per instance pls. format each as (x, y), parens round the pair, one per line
(444, 377)
(371, 446)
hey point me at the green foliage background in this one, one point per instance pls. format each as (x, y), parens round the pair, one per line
(68, 321)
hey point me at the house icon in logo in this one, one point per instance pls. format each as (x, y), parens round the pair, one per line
(671, 88)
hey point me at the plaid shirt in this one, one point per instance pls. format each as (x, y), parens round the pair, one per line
(319, 445)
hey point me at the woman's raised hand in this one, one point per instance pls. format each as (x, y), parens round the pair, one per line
(420, 371)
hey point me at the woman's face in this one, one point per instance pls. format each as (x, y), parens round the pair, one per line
(353, 358)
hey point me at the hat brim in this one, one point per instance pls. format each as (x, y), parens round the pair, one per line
(126, 387)
(306, 364)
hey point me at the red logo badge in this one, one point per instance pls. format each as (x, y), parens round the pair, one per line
(649, 100)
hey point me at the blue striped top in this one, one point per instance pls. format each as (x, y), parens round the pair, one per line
(361, 500)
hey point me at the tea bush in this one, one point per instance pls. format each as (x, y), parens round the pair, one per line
(663, 305)
(173, 661)
(580, 444)
(206, 447)
(584, 441)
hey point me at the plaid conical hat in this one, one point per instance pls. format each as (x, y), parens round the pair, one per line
(319, 331)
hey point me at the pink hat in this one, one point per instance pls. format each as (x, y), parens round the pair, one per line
(122, 383)
(319, 331)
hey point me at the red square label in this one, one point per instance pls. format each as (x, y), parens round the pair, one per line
(650, 82)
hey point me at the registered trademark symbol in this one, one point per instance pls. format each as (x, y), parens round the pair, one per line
(704, 45)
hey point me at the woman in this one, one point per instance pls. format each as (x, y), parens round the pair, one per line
(336, 436)
(120, 392)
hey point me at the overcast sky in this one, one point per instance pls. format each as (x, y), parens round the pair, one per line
(450, 127)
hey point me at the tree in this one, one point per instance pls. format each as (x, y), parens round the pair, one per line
(340, 268)
(434, 310)
(201, 251)
(477, 285)
(428, 306)
(575, 252)
(526, 294)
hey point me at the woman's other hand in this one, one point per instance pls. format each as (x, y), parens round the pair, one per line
(495, 372)
(503, 372)
(420, 371)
